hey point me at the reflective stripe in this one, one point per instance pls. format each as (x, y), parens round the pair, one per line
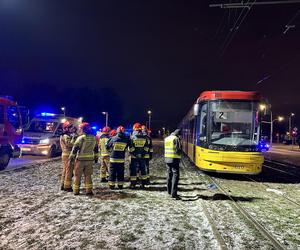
(144, 177)
(133, 178)
(67, 153)
(113, 160)
(104, 154)
(170, 150)
(89, 186)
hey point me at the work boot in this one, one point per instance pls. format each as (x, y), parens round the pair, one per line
(89, 194)
(132, 186)
(103, 180)
(120, 186)
(176, 197)
(147, 182)
(62, 187)
(112, 187)
(76, 193)
(68, 189)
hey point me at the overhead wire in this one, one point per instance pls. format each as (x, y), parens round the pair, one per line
(236, 28)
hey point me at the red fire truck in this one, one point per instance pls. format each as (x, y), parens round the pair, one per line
(11, 129)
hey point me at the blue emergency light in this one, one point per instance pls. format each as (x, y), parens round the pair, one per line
(48, 114)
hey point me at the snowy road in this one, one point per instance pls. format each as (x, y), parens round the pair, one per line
(34, 214)
(25, 160)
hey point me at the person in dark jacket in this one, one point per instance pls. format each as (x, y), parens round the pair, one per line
(173, 152)
(117, 146)
(139, 148)
(148, 156)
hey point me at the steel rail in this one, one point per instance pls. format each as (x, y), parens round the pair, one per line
(264, 232)
(213, 225)
(284, 196)
(279, 170)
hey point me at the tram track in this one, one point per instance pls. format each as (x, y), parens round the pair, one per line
(247, 216)
(244, 213)
(213, 224)
(281, 195)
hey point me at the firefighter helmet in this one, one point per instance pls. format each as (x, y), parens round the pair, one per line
(120, 129)
(85, 127)
(106, 130)
(137, 126)
(67, 125)
(113, 133)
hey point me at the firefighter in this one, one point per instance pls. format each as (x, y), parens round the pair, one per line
(117, 146)
(173, 151)
(67, 140)
(139, 148)
(84, 151)
(148, 156)
(104, 154)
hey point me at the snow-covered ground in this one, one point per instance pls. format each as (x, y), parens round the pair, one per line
(35, 214)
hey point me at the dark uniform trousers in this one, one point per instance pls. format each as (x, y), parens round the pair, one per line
(116, 174)
(173, 178)
(138, 165)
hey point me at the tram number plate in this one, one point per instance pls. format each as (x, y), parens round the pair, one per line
(239, 166)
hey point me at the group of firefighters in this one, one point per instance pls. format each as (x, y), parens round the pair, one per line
(79, 152)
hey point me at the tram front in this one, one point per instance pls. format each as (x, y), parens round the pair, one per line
(229, 132)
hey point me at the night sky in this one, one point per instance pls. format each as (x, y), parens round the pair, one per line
(126, 57)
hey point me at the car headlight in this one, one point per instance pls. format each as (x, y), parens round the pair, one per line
(44, 141)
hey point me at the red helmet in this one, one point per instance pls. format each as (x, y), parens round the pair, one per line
(66, 125)
(137, 126)
(113, 133)
(85, 127)
(106, 130)
(120, 129)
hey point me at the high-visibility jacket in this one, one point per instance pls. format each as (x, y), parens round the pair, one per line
(85, 148)
(172, 148)
(117, 146)
(66, 143)
(139, 146)
(102, 145)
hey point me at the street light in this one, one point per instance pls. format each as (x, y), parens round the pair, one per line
(106, 118)
(80, 119)
(149, 118)
(290, 124)
(63, 109)
(164, 131)
(263, 107)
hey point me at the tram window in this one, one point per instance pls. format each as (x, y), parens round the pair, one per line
(13, 116)
(232, 123)
(1, 114)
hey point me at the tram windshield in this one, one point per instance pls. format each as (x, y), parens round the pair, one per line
(233, 124)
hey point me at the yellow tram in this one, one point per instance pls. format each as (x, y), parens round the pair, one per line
(221, 132)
